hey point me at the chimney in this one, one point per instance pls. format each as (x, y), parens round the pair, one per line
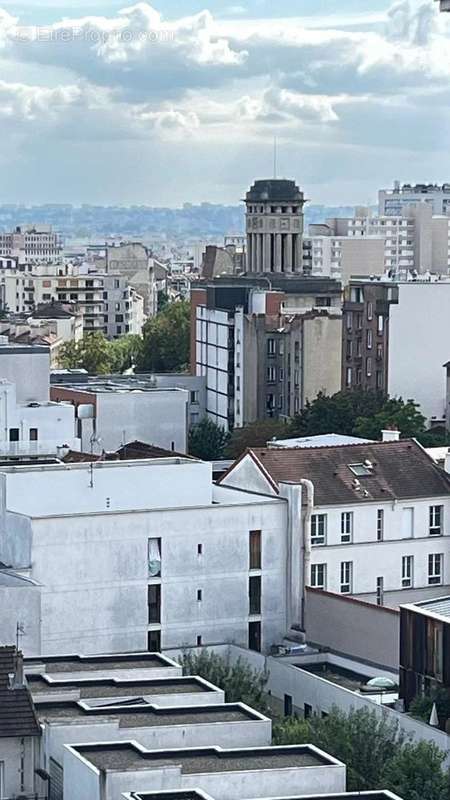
(390, 435)
(18, 677)
(447, 461)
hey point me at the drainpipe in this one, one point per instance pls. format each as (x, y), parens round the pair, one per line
(309, 486)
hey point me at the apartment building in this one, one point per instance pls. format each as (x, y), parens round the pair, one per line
(107, 303)
(424, 649)
(372, 518)
(341, 257)
(28, 243)
(265, 345)
(391, 202)
(13, 294)
(142, 555)
(394, 339)
(132, 261)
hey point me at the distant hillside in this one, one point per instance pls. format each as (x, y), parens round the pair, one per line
(143, 221)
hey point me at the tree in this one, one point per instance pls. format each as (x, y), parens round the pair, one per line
(360, 739)
(395, 413)
(92, 353)
(99, 356)
(207, 440)
(166, 339)
(336, 414)
(415, 771)
(240, 682)
(257, 434)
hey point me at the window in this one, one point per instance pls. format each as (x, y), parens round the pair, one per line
(199, 595)
(379, 351)
(154, 604)
(255, 550)
(380, 591)
(369, 311)
(349, 348)
(380, 525)
(307, 711)
(199, 549)
(369, 339)
(318, 529)
(348, 376)
(34, 434)
(194, 397)
(380, 324)
(14, 434)
(254, 636)
(271, 374)
(254, 593)
(319, 576)
(119, 317)
(346, 577)
(154, 558)
(435, 561)
(436, 519)
(407, 571)
(154, 641)
(349, 319)
(360, 470)
(368, 367)
(346, 527)
(199, 641)
(288, 708)
(270, 347)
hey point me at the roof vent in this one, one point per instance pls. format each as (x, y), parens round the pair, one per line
(356, 484)
(11, 680)
(368, 464)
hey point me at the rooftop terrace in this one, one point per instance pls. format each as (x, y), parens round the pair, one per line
(128, 756)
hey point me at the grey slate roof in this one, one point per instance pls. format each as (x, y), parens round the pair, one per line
(17, 716)
(401, 470)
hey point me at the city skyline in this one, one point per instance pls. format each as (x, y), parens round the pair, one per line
(108, 105)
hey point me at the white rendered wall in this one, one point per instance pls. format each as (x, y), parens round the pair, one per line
(372, 559)
(248, 733)
(158, 418)
(29, 370)
(419, 335)
(95, 575)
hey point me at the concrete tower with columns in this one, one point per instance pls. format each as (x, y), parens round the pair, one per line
(274, 226)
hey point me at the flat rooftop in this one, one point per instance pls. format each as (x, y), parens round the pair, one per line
(145, 716)
(76, 663)
(113, 687)
(199, 795)
(112, 487)
(439, 607)
(127, 756)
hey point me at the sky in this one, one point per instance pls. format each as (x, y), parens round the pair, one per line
(181, 100)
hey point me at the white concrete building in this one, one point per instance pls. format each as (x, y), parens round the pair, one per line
(111, 414)
(393, 201)
(134, 555)
(30, 423)
(197, 794)
(369, 520)
(154, 727)
(13, 296)
(31, 243)
(370, 244)
(104, 771)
